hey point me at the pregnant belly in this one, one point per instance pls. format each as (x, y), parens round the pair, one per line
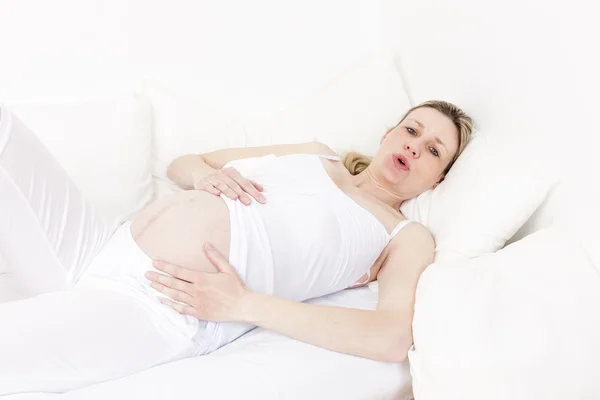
(175, 228)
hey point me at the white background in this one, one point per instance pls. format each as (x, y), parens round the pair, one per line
(527, 70)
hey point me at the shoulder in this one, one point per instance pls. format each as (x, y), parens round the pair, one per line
(413, 236)
(408, 254)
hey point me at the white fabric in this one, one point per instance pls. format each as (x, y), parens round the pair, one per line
(352, 112)
(319, 239)
(104, 145)
(183, 126)
(4, 269)
(485, 57)
(62, 341)
(68, 338)
(49, 231)
(287, 249)
(120, 266)
(489, 193)
(263, 365)
(520, 324)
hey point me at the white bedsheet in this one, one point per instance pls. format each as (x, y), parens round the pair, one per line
(261, 365)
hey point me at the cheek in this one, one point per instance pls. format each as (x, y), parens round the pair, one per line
(430, 171)
(393, 141)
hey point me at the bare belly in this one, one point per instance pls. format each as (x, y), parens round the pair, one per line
(175, 228)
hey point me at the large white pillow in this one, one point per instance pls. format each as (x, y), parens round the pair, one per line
(104, 145)
(184, 125)
(350, 113)
(490, 192)
(523, 323)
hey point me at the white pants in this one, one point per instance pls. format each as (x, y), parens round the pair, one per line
(62, 339)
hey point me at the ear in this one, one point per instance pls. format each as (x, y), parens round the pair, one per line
(439, 181)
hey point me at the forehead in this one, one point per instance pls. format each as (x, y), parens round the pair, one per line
(435, 124)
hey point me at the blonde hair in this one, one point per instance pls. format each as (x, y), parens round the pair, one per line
(357, 163)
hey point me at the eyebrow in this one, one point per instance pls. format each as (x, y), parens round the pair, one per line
(437, 139)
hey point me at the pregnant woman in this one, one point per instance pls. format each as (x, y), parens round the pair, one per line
(304, 223)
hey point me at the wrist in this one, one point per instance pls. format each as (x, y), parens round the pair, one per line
(253, 306)
(201, 171)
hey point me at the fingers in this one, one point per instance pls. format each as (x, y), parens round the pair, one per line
(233, 185)
(177, 271)
(246, 186)
(224, 186)
(207, 187)
(180, 308)
(170, 282)
(257, 186)
(176, 295)
(217, 259)
(250, 188)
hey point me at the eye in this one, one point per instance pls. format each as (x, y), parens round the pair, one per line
(434, 151)
(411, 131)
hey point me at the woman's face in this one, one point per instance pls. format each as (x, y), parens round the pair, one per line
(413, 156)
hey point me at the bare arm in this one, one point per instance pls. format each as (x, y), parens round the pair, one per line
(188, 168)
(384, 334)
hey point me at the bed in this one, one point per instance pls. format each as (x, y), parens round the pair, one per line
(260, 365)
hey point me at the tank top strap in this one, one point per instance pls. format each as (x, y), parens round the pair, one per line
(399, 227)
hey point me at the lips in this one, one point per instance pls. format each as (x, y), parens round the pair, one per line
(401, 162)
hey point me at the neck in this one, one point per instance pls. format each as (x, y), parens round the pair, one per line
(370, 183)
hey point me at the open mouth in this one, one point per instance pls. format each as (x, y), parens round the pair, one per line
(401, 162)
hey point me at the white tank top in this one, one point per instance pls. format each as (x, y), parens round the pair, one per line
(320, 240)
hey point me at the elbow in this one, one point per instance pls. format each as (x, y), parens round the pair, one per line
(395, 355)
(172, 167)
(179, 166)
(396, 349)
(170, 174)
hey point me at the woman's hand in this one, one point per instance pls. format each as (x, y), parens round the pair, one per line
(210, 296)
(232, 184)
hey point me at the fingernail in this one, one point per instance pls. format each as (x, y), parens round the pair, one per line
(147, 275)
(262, 199)
(209, 246)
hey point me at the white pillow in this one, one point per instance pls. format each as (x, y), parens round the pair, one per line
(104, 145)
(490, 192)
(522, 323)
(351, 113)
(183, 125)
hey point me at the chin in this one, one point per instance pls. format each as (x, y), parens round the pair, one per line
(393, 177)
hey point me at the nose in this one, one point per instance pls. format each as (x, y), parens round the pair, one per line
(413, 148)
